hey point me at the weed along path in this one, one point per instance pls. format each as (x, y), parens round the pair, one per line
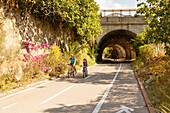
(109, 88)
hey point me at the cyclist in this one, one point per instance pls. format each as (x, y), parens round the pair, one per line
(72, 61)
(85, 65)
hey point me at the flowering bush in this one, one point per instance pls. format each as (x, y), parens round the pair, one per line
(56, 60)
(35, 63)
(51, 60)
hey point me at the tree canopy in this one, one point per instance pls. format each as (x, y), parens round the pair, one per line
(159, 25)
(80, 15)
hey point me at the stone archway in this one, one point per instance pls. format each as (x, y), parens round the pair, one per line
(120, 41)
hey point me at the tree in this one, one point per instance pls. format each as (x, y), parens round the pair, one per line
(79, 15)
(159, 11)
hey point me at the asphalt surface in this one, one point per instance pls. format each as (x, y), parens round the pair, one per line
(109, 88)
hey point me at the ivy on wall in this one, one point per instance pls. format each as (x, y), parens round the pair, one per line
(80, 15)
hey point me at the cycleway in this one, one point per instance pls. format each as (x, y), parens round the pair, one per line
(109, 88)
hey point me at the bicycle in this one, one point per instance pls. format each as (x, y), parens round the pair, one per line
(84, 72)
(71, 71)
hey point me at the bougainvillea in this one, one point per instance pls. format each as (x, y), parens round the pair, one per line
(38, 59)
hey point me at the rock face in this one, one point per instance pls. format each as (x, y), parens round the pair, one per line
(17, 29)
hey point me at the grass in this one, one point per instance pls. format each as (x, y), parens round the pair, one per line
(158, 87)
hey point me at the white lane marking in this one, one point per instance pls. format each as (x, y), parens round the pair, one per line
(68, 105)
(98, 106)
(6, 107)
(57, 94)
(100, 69)
(124, 109)
(24, 90)
(88, 77)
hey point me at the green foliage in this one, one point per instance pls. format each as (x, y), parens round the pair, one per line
(2, 38)
(158, 68)
(92, 52)
(84, 54)
(40, 75)
(80, 15)
(140, 40)
(107, 52)
(159, 30)
(146, 64)
(5, 78)
(74, 47)
(138, 63)
(54, 54)
(56, 61)
(147, 51)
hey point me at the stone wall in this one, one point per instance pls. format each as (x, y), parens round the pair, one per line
(17, 29)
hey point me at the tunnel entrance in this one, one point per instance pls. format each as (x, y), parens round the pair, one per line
(116, 46)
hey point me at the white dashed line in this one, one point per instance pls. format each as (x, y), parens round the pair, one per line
(88, 77)
(100, 69)
(6, 107)
(24, 90)
(57, 94)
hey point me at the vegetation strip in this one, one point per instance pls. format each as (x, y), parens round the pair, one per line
(145, 96)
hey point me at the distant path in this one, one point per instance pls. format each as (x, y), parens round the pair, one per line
(109, 88)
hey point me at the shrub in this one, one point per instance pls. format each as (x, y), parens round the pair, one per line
(2, 38)
(107, 53)
(4, 80)
(147, 51)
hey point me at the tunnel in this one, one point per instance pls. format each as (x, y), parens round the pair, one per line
(120, 42)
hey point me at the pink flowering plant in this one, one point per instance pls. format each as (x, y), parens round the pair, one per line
(35, 63)
(52, 62)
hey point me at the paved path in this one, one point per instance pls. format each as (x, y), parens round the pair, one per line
(109, 88)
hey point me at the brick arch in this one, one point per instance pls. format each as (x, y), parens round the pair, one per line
(119, 37)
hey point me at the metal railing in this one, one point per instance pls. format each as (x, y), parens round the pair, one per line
(118, 12)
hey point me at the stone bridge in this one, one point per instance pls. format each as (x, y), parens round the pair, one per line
(119, 27)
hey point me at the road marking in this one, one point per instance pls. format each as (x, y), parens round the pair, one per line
(6, 107)
(124, 109)
(100, 69)
(98, 106)
(24, 90)
(57, 94)
(88, 77)
(68, 105)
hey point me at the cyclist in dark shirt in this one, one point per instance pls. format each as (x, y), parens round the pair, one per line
(85, 65)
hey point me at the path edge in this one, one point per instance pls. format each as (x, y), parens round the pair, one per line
(34, 84)
(145, 96)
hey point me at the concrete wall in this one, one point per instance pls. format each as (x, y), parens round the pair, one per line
(132, 24)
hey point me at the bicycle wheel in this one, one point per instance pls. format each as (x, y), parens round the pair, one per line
(74, 72)
(84, 72)
(69, 72)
